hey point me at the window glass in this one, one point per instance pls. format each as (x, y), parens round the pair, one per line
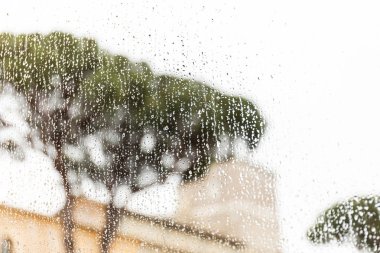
(189, 126)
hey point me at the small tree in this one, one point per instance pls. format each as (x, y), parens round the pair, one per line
(168, 124)
(356, 220)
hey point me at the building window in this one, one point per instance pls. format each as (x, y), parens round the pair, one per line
(6, 246)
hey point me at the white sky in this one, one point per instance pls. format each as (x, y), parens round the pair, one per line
(312, 67)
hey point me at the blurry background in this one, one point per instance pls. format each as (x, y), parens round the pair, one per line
(312, 68)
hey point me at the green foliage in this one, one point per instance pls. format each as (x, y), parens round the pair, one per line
(356, 220)
(30, 61)
(97, 93)
(117, 81)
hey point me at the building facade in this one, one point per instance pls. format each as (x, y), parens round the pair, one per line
(233, 209)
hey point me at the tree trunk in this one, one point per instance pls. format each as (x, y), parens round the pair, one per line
(113, 213)
(66, 215)
(110, 228)
(60, 118)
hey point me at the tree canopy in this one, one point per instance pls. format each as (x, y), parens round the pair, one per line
(97, 84)
(356, 220)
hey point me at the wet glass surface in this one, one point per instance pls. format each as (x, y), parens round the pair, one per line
(189, 127)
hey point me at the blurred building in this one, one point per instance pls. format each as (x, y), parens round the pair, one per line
(236, 200)
(232, 210)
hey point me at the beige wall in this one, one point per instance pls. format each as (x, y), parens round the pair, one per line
(237, 200)
(34, 233)
(29, 233)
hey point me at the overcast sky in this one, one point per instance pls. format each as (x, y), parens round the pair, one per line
(312, 68)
